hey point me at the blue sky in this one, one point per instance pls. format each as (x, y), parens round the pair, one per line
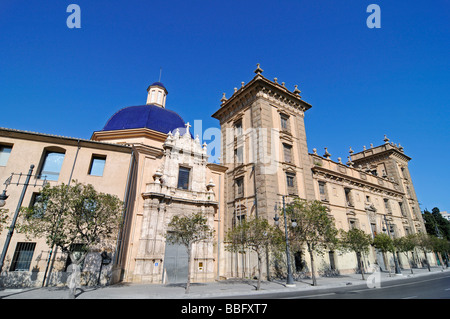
(363, 83)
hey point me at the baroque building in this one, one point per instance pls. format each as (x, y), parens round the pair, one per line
(264, 146)
(147, 156)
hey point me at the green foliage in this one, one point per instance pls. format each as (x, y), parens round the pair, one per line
(423, 242)
(255, 234)
(77, 214)
(355, 240)
(439, 245)
(435, 224)
(383, 242)
(187, 230)
(315, 227)
(405, 244)
(358, 241)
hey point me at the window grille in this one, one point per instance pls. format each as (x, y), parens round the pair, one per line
(23, 257)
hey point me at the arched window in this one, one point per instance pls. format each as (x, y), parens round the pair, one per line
(51, 163)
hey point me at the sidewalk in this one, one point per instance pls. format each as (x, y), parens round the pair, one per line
(226, 288)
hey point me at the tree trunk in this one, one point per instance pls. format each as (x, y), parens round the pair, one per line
(188, 283)
(313, 272)
(426, 260)
(387, 264)
(409, 262)
(258, 286)
(440, 260)
(360, 264)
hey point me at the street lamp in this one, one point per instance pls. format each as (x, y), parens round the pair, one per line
(3, 197)
(289, 279)
(397, 267)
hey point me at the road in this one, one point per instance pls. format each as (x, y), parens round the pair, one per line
(435, 286)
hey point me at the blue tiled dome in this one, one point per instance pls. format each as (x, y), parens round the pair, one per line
(146, 116)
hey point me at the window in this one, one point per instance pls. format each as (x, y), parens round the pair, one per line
(387, 206)
(284, 122)
(287, 151)
(407, 231)
(392, 230)
(238, 128)
(52, 165)
(5, 151)
(97, 165)
(159, 97)
(290, 180)
(353, 224)
(183, 177)
(240, 187)
(373, 227)
(322, 192)
(348, 197)
(400, 204)
(239, 155)
(22, 257)
(152, 96)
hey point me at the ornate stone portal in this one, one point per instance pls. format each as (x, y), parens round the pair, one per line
(179, 188)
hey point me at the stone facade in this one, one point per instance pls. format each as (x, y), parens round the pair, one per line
(161, 174)
(265, 148)
(163, 199)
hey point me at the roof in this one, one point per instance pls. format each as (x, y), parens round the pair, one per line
(58, 139)
(146, 116)
(158, 84)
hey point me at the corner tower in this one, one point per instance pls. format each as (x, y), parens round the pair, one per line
(390, 161)
(264, 147)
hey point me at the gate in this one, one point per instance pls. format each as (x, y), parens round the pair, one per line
(176, 263)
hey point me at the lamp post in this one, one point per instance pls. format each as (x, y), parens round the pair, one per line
(13, 224)
(397, 267)
(289, 279)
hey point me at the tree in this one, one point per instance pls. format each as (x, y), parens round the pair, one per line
(423, 241)
(187, 231)
(255, 234)
(71, 217)
(435, 224)
(405, 245)
(314, 227)
(358, 241)
(440, 246)
(383, 242)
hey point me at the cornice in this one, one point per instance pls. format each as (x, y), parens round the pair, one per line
(63, 140)
(353, 180)
(217, 167)
(254, 89)
(379, 155)
(129, 133)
